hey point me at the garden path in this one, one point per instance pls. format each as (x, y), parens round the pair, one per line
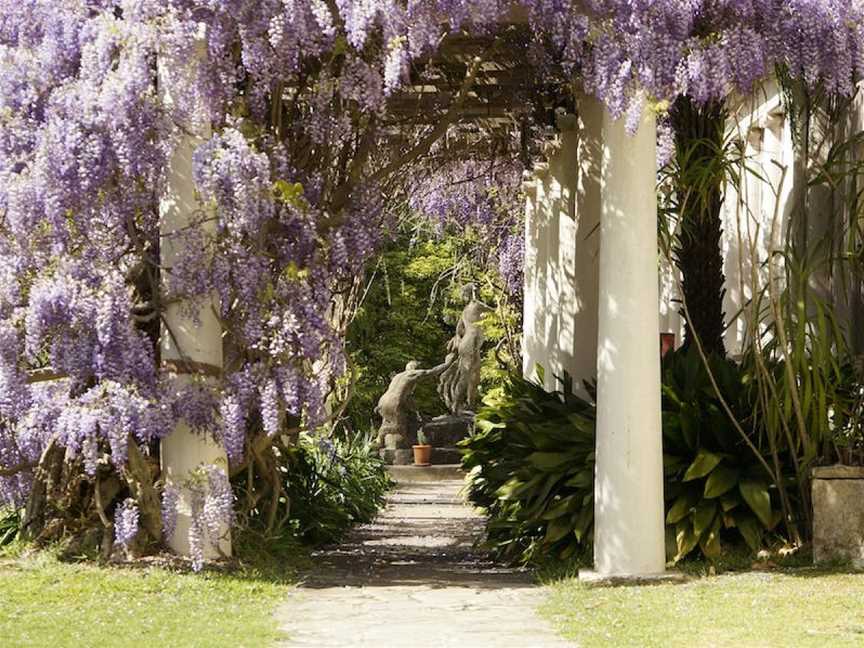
(413, 579)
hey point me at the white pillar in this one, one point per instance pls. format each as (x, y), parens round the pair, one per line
(554, 192)
(532, 321)
(628, 496)
(535, 303)
(191, 341)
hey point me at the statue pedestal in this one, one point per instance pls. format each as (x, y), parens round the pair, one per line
(448, 430)
(442, 433)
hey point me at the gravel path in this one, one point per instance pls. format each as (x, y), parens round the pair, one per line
(412, 579)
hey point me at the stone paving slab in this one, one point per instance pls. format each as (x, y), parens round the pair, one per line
(441, 472)
(414, 579)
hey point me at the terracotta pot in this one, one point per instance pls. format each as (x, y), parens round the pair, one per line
(667, 343)
(422, 455)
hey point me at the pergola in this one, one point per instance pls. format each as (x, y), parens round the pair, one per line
(611, 299)
(605, 209)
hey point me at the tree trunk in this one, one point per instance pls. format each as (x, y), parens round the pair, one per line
(699, 138)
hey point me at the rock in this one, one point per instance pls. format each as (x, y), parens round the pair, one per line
(448, 430)
(838, 514)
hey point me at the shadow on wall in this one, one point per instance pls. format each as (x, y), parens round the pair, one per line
(562, 247)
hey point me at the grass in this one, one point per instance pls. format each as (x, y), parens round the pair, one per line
(789, 607)
(46, 602)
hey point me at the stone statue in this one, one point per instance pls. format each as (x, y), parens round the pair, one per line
(400, 419)
(459, 382)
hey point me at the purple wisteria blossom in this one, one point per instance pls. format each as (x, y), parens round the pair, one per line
(297, 97)
(126, 522)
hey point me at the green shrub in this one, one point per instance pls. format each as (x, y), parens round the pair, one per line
(333, 484)
(715, 483)
(530, 464)
(410, 312)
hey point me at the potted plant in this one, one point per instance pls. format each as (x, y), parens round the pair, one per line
(422, 451)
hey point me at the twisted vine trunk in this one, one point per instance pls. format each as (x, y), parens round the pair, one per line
(699, 183)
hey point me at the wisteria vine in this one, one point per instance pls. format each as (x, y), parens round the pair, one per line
(297, 175)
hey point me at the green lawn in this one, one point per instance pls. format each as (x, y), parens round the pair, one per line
(44, 602)
(801, 607)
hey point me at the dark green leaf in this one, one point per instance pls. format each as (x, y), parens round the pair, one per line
(549, 461)
(557, 529)
(750, 530)
(755, 493)
(704, 516)
(721, 480)
(729, 502)
(685, 539)
(704, 463)
(710, 542)
(583, 524)
(681, 508)
(563, 507)
(583, 479)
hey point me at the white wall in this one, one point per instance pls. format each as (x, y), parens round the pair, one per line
(755, 218)
(562, 242)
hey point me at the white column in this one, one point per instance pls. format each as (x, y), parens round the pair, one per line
(628, 497)
(536, 311)
(531, 338)
(186, 341)
(556, 290)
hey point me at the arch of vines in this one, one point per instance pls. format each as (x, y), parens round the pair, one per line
(305, 161)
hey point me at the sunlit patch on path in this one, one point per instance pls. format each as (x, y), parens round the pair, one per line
(414, 579)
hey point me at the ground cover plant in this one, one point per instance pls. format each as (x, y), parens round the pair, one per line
(332, 484)
(530, 466)
(716, 481)
(788, 607)
(47, 602)
(10, 524)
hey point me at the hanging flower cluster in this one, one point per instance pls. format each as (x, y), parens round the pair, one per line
(483, 198)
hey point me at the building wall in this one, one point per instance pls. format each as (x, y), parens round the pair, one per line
(562, 243)
(756, 214)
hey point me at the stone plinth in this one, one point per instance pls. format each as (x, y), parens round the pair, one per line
(446, 456)
(838, 514)
(593, 578)
(447, 431)
(442, 433)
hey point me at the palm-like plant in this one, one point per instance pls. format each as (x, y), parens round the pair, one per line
(701, 165)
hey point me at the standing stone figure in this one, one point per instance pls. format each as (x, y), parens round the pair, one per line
(400, 419)
(459, 382)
